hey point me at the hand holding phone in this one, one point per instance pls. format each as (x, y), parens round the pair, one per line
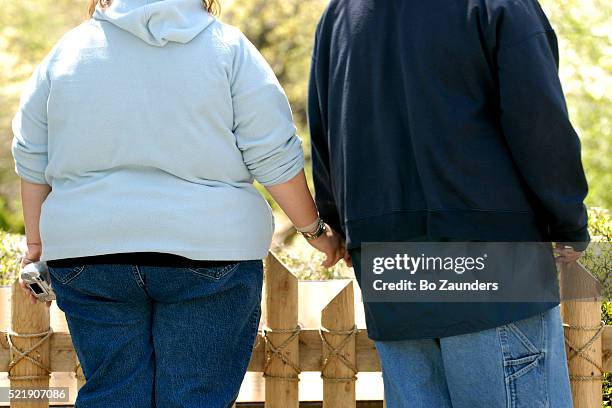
(35, 276)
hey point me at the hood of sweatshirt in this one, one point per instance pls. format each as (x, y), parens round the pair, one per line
(158, 22)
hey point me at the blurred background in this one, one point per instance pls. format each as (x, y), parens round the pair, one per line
(283, 30)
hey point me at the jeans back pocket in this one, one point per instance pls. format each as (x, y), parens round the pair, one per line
(523, 343)
(65, 274)
(216, 271)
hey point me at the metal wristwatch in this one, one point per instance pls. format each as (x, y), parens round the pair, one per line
(319, 230)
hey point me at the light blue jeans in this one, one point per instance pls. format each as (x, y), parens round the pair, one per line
(517, 365)
(156, 336)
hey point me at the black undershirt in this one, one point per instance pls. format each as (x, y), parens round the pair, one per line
(137, 258)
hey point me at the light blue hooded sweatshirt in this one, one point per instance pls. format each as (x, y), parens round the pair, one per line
(150, 122)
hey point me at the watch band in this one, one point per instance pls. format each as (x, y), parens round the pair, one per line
(317, 232)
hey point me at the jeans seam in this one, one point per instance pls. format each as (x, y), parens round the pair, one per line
(545, 357)
(530, 367)
(255, 318)
(138, 276)
(522, 360)
(523, 338)
(254, 326)
(74, 273)
(217, 273)
(508, 386)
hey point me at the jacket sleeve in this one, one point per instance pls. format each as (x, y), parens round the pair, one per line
(321, 172)
(543, 143)
(263, 123)
(29, 125)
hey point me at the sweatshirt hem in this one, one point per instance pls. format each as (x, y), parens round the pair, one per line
(211, 255)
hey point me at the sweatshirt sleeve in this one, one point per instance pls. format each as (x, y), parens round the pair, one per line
(29, 125)
(263, 122)
(541, 138)
(321, 171)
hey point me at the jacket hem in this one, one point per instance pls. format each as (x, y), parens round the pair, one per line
(520, 311)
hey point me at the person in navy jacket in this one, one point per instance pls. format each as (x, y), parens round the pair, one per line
(436, 121)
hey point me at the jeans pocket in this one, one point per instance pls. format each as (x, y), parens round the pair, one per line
(66, 274)
(216, 272)
(522, 344)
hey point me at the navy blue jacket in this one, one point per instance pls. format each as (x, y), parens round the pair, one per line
(443, 119)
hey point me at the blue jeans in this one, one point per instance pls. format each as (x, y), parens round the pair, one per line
(156, 336)
(517, 365)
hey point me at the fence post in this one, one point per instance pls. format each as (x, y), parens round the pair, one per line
(281, 368)
(29, 347)
(583, 328)
(339, 357)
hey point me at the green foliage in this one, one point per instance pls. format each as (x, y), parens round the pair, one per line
(598, 257)
(9, 220)
(11, 248)
(600, 264)
(585, 39)
(283, 30)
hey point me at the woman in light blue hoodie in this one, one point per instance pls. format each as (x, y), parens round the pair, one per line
(137, 140)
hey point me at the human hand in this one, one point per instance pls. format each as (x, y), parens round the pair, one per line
(347, 259)
(32, 255)
(32, 299)
(330, 243)
(566, 254)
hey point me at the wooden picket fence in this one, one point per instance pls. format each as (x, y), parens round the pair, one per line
(30, 351)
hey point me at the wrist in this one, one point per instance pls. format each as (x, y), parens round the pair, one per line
(310, 227)
(319, 229)
(34, 250)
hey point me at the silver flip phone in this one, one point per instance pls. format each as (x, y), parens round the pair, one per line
(36, 276)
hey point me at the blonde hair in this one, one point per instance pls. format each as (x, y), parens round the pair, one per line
(212, 6)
